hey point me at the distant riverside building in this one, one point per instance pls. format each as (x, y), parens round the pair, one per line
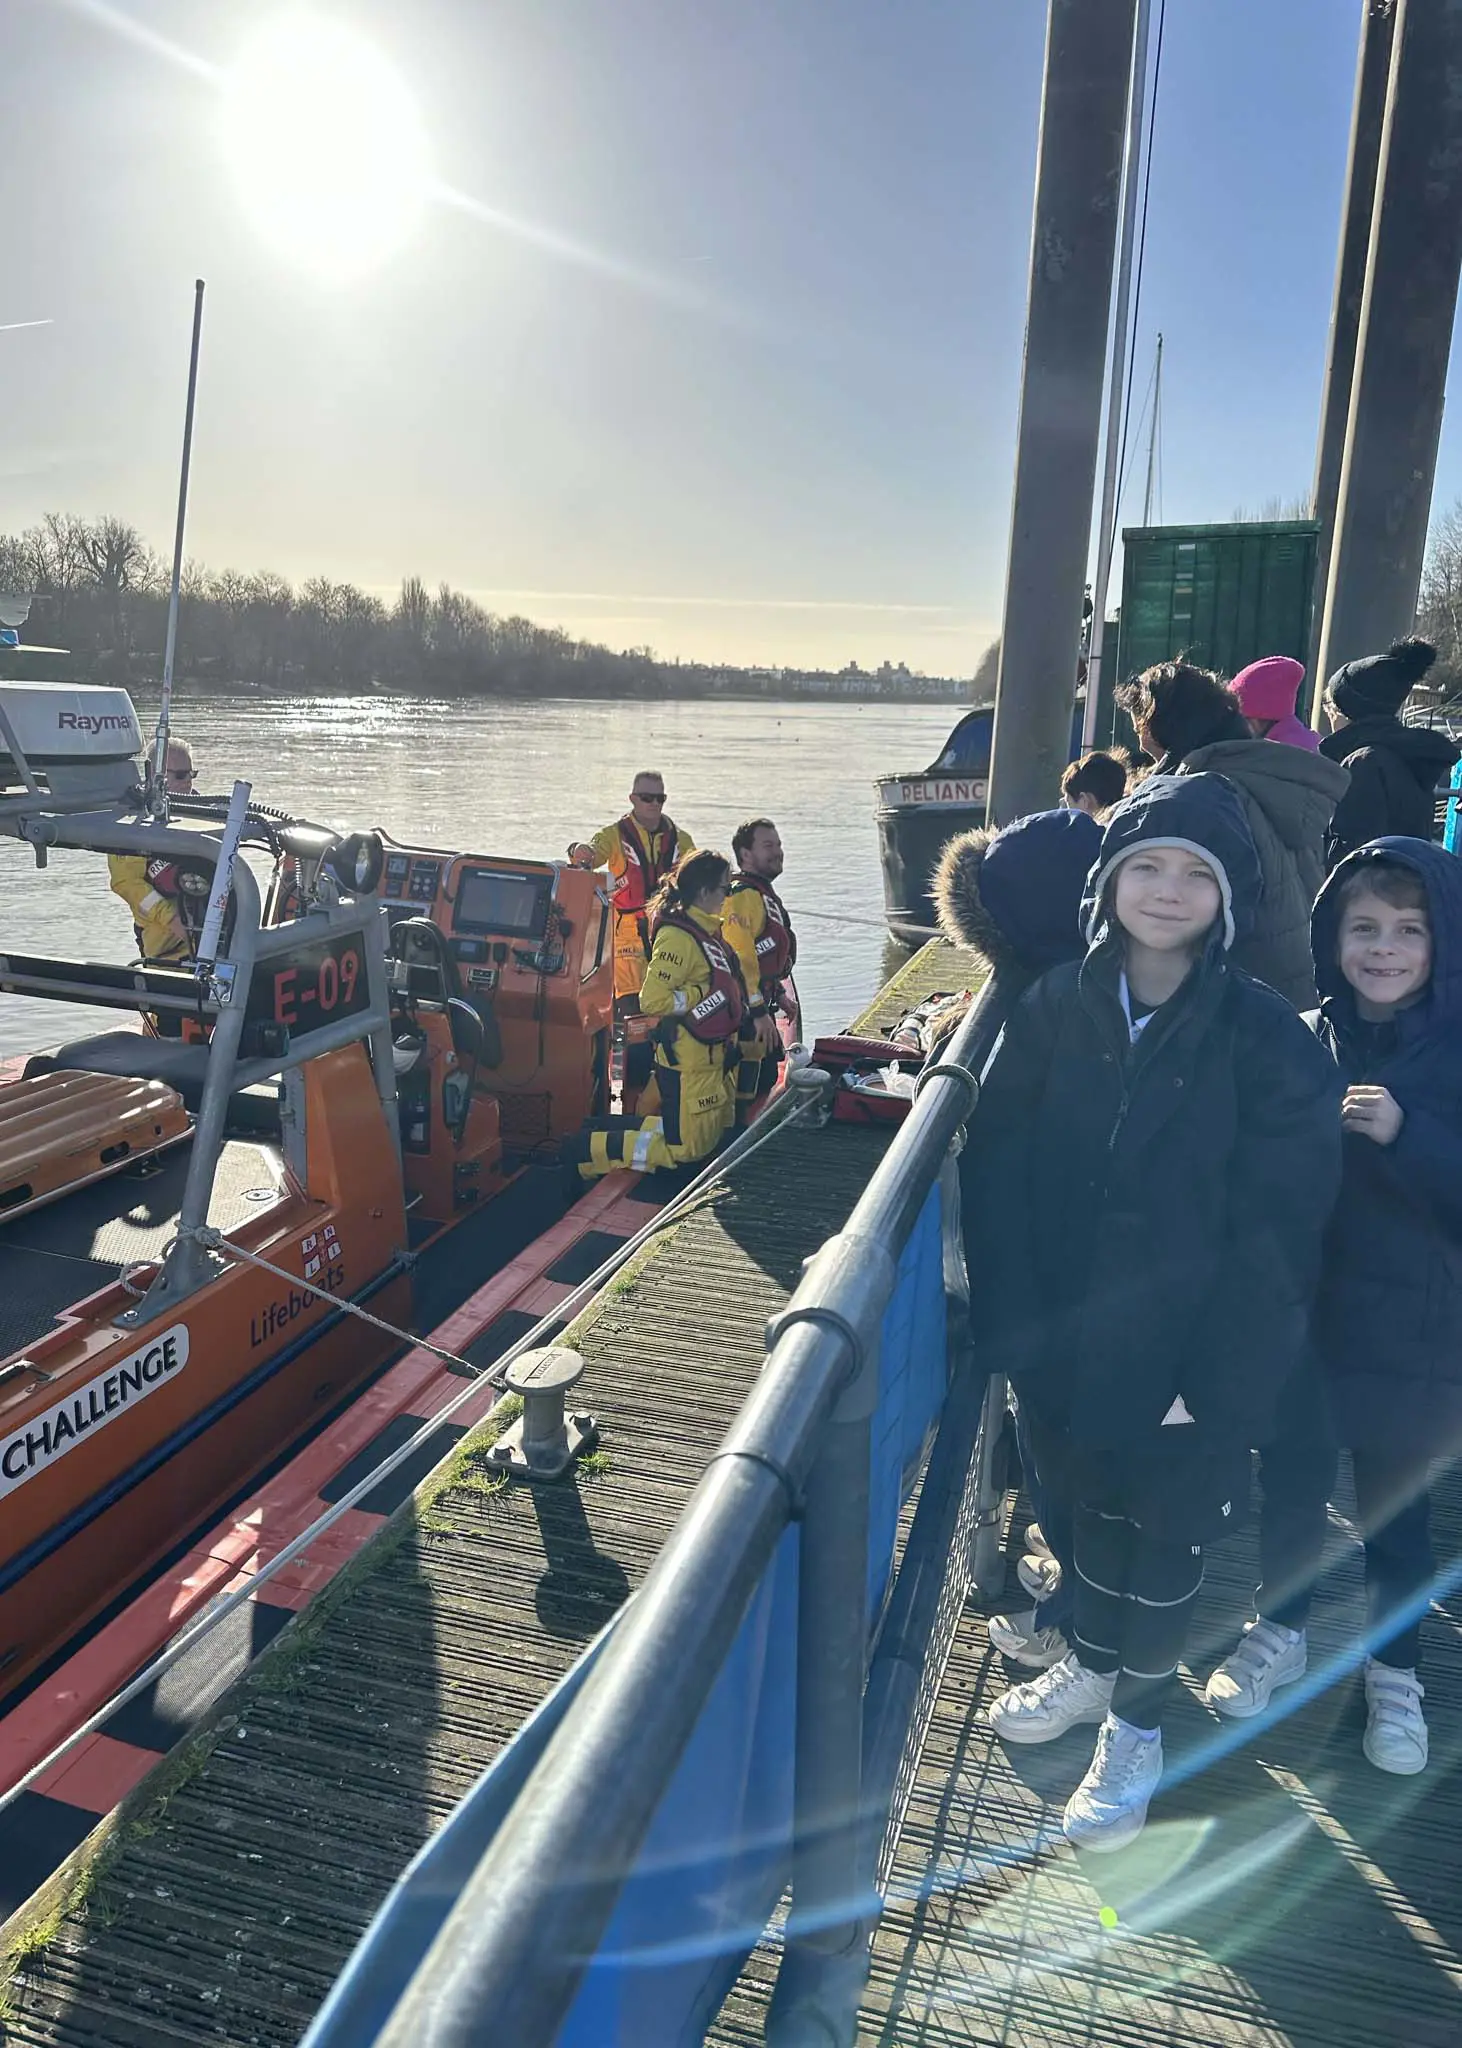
(890, 680)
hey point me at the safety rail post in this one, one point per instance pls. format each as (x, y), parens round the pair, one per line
(526, 1925)
(851, 1738)
(827, 1929)
(987, 1566)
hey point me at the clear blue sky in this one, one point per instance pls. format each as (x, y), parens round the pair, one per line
(763, 405)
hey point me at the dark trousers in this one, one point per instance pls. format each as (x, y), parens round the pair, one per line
(1051, 1507)
(1297, 1474)
(1393, 1507)
(1393, 1503)
(1135, 1595)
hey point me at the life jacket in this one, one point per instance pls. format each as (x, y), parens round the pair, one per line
(643, 874)
(187, 887)
(717, 1016)
(776, 949)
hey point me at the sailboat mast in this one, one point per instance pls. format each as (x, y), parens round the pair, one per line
(1116, 376)
(1152, 435)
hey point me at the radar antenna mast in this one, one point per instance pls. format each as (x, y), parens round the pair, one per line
(157, 779)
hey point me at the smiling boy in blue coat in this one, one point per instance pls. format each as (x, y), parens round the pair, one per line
(1151, 1164)
(1387, 932)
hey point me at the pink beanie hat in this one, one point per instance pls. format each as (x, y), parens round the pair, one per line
(1268, 688)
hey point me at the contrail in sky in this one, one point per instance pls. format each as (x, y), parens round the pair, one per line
(14, 326)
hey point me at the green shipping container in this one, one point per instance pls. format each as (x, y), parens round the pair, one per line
(1222, 595)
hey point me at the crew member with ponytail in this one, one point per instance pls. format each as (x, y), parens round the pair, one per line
(693, 987)
(760, 934)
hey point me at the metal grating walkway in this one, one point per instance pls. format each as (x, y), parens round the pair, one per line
(1284, 1891)
(234, 1899)
(1285, 1894)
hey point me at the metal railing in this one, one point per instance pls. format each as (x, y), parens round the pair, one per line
(526, 1925)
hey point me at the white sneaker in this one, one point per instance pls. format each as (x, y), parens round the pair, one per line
(1109, 1807)
(1035, 1540)
(1396, 1737)
(1021, 1638)
(1039, 1576)
(1269, 1655)
(1065, 1696)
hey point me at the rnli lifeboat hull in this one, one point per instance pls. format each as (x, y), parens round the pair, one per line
(121, 1431)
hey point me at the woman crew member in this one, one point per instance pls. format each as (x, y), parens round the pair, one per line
(693, 986)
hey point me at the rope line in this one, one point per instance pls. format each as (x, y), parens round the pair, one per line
(214, 1241)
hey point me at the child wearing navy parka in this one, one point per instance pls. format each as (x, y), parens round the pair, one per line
(1387, 933)
(1151, 1166)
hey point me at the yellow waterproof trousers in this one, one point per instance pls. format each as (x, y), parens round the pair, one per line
(697, 1104)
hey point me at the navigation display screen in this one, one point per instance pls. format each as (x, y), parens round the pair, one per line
(494, 900)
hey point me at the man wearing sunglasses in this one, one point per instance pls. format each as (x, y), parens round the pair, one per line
(639, 851)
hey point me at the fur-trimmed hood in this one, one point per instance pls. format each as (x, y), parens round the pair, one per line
(1014, 896)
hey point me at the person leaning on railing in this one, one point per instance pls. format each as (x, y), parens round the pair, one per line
(1014, 898)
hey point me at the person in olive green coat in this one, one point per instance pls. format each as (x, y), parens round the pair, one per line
(1191, 723)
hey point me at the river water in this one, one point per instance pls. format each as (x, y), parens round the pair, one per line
(523, 779)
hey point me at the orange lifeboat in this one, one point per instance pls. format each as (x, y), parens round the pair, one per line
(186, 1226)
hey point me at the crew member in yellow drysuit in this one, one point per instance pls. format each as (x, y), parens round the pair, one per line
(639, 850)
(760, 934)
(144, 885)
(694, 987)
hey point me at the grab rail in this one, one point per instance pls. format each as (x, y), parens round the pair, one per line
(527, 1922)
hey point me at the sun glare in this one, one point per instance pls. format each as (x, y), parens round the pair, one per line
(326, 145)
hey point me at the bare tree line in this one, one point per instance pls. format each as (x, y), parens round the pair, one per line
(1439, 610)
(99, 590)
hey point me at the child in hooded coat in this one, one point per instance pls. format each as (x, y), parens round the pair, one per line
(1388, 957)
(1152, 1163)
